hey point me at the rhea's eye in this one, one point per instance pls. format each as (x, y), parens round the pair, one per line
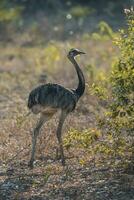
(71, 53)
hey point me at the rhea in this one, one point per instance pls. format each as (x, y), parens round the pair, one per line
(47, 99)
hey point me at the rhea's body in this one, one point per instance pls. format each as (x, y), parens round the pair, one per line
(51, 97)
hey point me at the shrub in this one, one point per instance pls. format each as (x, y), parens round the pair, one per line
(81, 11)
(113, 140)
(104, 32)
(81, 139)
(118, 119)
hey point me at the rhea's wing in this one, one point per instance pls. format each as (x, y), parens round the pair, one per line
(52, 95)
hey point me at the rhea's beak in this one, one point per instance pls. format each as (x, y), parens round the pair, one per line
(81, 52)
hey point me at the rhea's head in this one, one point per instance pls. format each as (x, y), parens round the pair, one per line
(75, 52)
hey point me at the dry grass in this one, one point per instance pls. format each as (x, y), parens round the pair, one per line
(20, 70)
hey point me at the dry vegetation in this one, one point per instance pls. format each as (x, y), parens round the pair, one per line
(22, 70)
(88, 174)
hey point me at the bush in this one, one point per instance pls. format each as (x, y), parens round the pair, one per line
(104, 32)
(118, 119)
(81, 11)
(113, 140)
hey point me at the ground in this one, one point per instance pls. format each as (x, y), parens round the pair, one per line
(24, 66)
(49, 180)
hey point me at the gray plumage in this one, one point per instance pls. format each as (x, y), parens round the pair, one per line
(47, 99)
(53, 95)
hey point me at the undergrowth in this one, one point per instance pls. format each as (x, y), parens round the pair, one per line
(113, 139)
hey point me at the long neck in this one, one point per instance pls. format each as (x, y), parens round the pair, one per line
(81, 85)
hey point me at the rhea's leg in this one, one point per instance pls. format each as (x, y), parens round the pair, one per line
(43, 118)
(59, 135)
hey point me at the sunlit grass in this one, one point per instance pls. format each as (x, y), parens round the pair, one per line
(21, 68)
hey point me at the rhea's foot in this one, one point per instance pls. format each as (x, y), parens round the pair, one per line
(58, 155)
(63, 162)
(30, 164)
